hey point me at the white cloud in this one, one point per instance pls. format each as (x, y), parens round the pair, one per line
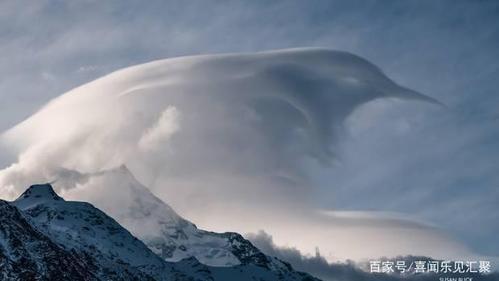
(249, 124)
(157, 135)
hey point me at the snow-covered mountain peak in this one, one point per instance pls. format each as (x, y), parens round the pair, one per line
(36, 194)
(86, 230)
(27, 254)
(166, 233)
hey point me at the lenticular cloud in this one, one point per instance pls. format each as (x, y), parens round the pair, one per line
(177, 121)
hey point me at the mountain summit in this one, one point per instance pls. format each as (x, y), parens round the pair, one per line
(37, 193)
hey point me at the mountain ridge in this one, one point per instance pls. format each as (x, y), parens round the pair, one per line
(77, 241)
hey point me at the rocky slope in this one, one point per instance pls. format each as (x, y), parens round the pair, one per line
(82, 228)
(27, 254)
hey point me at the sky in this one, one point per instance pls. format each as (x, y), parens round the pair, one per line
(396, 160)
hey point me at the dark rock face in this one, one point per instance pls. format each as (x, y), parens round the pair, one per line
(245, 251)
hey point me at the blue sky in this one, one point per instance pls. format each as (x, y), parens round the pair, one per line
(439, 165)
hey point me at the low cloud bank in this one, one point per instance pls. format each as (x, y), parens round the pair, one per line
(348, 271)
